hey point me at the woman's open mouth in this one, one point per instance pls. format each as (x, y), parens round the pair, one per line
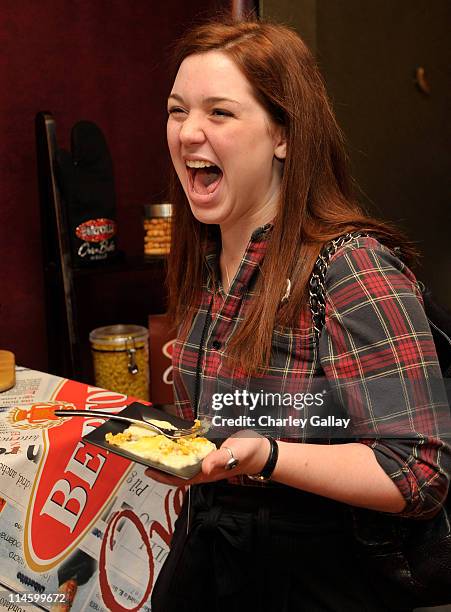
(204, 177)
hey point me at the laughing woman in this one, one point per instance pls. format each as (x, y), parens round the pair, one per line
(262, 190)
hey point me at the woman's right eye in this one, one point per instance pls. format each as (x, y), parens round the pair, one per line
(173, 110)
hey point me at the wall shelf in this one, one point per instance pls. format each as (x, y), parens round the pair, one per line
(80, 299)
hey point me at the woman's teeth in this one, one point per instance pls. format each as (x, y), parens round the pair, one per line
(199, 164)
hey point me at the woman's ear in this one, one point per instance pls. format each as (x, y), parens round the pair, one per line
(280, 144)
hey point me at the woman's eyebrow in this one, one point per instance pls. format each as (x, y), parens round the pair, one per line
(175, 97)
(218, 99)
(209, 100)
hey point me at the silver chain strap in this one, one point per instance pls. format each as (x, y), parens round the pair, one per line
(317, 290)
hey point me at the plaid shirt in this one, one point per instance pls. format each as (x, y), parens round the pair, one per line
(375, 352)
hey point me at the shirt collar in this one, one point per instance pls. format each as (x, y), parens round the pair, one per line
(252, 258)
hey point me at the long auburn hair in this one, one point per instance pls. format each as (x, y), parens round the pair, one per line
(316, 202)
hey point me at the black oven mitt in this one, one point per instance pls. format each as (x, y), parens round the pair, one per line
(86, 180)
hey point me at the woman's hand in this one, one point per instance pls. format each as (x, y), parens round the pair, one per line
(250, 448)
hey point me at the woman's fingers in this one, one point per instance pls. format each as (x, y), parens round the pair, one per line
(164, 478)
(215, 462)
(173, 481)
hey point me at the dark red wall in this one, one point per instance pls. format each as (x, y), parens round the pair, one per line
(102, 60)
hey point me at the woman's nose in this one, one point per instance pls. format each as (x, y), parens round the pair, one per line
(192, 131)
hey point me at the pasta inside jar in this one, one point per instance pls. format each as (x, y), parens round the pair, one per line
(120, 356)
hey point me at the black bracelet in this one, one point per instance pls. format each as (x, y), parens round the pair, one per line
(270, 464)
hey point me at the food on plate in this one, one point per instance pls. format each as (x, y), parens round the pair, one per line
(138, 430)
(155, 447)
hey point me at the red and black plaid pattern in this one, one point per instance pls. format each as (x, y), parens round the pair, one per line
(375, 352)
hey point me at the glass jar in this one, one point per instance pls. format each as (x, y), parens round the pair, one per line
(121, 359)
(157, 229)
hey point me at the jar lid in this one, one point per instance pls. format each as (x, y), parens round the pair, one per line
(157, 210)
(118, 334)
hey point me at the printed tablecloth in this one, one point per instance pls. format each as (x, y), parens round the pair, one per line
(74, 519)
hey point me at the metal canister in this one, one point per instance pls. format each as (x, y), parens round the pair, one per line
(121, 359)
(157, 229)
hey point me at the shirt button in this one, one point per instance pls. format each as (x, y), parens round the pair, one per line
(216, 345)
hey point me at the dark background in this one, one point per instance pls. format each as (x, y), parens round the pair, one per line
(107, 61)
(102, 60)
(399, 138)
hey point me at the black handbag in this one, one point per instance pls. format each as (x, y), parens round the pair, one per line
(412, 557)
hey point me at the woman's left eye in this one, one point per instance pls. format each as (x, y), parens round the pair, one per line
(220, 112)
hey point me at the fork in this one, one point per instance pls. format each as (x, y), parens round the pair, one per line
(174, 435)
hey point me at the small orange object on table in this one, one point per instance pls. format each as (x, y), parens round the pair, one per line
(7, 370)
